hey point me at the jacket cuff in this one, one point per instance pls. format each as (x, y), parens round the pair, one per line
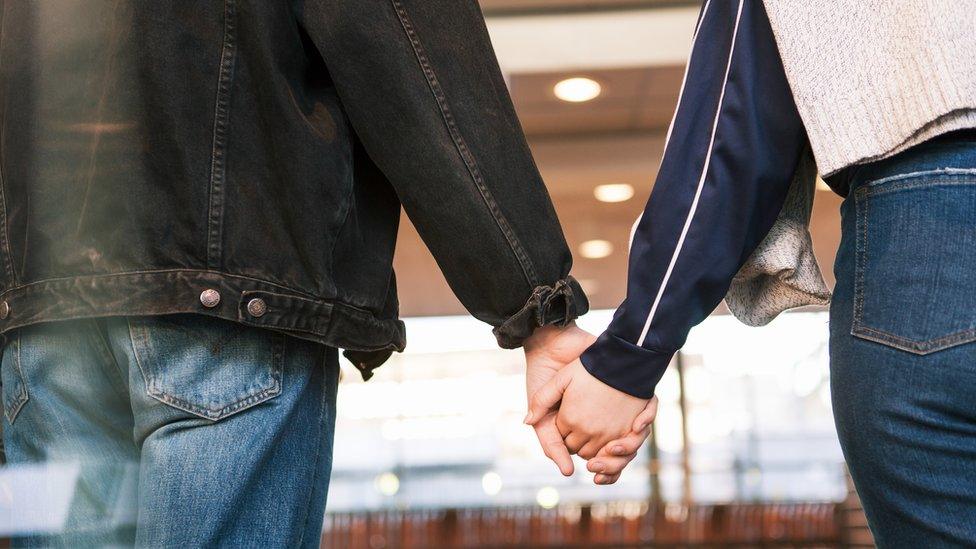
(625, 366)
(556, 305)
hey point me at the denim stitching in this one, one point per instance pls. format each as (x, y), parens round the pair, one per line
(883, 186)
(218, 167)
(153, 391)
(318, 449)
(434, 84)
(335, 243)
(915, 175)
(860, 250)
(67, 281)
(918, 347)
(4, 242)
(346, 310)
(11, 412)
(312, 325)
(935, 179)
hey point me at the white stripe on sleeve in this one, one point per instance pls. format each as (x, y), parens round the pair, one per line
(701, 185)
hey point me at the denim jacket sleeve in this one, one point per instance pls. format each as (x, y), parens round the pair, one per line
(423, 91)
(730, 155)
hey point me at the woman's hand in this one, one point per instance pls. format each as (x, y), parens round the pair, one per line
(611, 460)
(590, 413)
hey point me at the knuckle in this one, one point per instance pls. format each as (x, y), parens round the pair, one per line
(612, 466)
(628, 444)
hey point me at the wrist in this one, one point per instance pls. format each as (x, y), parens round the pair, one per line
(559, 345)
(556, 305)
(545, 336)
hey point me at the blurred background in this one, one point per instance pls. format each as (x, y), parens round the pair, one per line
(432, 451)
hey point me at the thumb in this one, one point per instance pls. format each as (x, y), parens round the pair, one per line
(547, 397)
(647, 416)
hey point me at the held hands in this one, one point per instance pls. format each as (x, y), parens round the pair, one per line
(547, 352)
(573, 412)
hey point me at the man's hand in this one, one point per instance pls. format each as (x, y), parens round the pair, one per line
(547, 352)
(591, 413)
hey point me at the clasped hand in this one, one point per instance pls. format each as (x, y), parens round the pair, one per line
(572, 412)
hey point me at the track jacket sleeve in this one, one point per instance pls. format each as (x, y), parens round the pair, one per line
(731, 151)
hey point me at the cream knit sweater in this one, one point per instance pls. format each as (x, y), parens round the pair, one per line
(870, 78)
(874, 77)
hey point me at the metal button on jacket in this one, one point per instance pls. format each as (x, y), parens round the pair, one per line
(257, 307)
(210, 298)
(4, 310)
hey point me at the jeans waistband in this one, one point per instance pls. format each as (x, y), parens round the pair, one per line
(952, 150)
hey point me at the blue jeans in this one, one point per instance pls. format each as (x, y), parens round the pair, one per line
(187, 431)
(903, 344)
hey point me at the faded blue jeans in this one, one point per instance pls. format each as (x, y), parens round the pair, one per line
(903, 344)
(187, 431)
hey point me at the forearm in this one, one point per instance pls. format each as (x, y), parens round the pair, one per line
(422, 89)
(733, 149)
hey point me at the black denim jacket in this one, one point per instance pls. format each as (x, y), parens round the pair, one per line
(248, 159)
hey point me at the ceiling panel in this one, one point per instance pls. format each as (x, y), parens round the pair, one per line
(611, 39)
(495, 7)
(636, 99)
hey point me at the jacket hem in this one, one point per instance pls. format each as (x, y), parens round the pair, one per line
(368, 340)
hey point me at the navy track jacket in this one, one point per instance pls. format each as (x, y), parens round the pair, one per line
(730, 154)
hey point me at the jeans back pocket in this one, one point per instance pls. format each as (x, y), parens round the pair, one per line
(208, 367)
(13, 386)
(915, 273)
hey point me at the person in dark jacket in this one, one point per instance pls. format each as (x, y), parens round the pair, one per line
(199, 206)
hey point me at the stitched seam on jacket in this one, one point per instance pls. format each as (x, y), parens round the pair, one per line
(4, 242)
(40, 285)
(218, 165)
(338, 236)
(434, 84)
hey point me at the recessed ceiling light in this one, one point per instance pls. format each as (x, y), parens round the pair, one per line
(614, 192)
(596, 249)
(577, 90)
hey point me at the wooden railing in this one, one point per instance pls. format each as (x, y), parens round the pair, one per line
(616, 525)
